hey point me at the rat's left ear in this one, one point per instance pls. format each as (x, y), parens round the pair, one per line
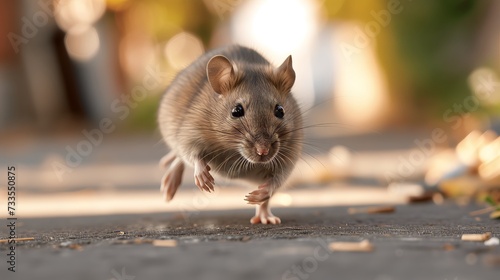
(285, 76)
(220, 74)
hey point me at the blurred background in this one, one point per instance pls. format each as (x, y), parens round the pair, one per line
(81, 80)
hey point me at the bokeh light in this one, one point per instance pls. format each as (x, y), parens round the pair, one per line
(360, 88)
(278, 28)
(136, 52)
(182, 49)
(82, 42)
(71, 13)
(484, 84)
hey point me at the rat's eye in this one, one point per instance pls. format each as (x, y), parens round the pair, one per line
(238, 111)
(279, 112)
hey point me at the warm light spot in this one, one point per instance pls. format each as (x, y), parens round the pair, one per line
(468, 149)
(70, 13)
(182, 49)
(277, 25)
(490, 151)
(282, 199)
(117, 5)
(340, 157)
(136, 53)
(443, 165)
(490, 170)
(485, 85)
(360, 88)
(278, 28)
(82, 42)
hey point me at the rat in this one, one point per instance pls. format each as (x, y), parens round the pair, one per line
(232, 113)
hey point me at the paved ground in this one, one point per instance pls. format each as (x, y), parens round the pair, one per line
(415, 242)
(420, 241)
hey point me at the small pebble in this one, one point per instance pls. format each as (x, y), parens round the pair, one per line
(494, 241)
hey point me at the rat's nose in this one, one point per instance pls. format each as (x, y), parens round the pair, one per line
(262, 150)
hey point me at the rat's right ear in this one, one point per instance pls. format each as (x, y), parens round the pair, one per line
(220, 73)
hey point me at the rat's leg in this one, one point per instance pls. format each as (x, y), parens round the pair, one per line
(263, 215)
(202, 177)
(172, 178)
(167, 159)
(261, 197)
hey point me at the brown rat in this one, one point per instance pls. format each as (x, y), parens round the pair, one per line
(231, 112)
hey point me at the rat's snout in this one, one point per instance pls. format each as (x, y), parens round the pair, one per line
(262, 149)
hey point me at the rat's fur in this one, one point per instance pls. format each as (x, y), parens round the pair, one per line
(196, 122)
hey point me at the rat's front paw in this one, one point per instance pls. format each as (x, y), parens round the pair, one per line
(258, 196)
(202, 177)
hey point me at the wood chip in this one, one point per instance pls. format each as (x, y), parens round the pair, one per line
(17, 239)
(363, 246)
(371, 210)
(142, 241)
(133, 241)
(448, 247)
(476, 237)
(482, 211)
(425, 197)
(246, 238)
(75, 247)
(165, 243)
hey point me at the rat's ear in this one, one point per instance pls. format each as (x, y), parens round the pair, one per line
(220, 73)
(285, 76)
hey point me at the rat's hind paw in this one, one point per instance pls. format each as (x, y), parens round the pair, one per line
(263, 215)
(258, 196)
(202, 177)
(172, 179)
(265, 219)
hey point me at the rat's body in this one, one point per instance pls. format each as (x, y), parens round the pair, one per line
(232, 113)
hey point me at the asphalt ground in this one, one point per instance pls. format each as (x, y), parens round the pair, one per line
(416, 241)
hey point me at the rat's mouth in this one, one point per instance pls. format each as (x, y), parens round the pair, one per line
(259, 153)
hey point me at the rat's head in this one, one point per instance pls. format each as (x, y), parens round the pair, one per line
(256, 113)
